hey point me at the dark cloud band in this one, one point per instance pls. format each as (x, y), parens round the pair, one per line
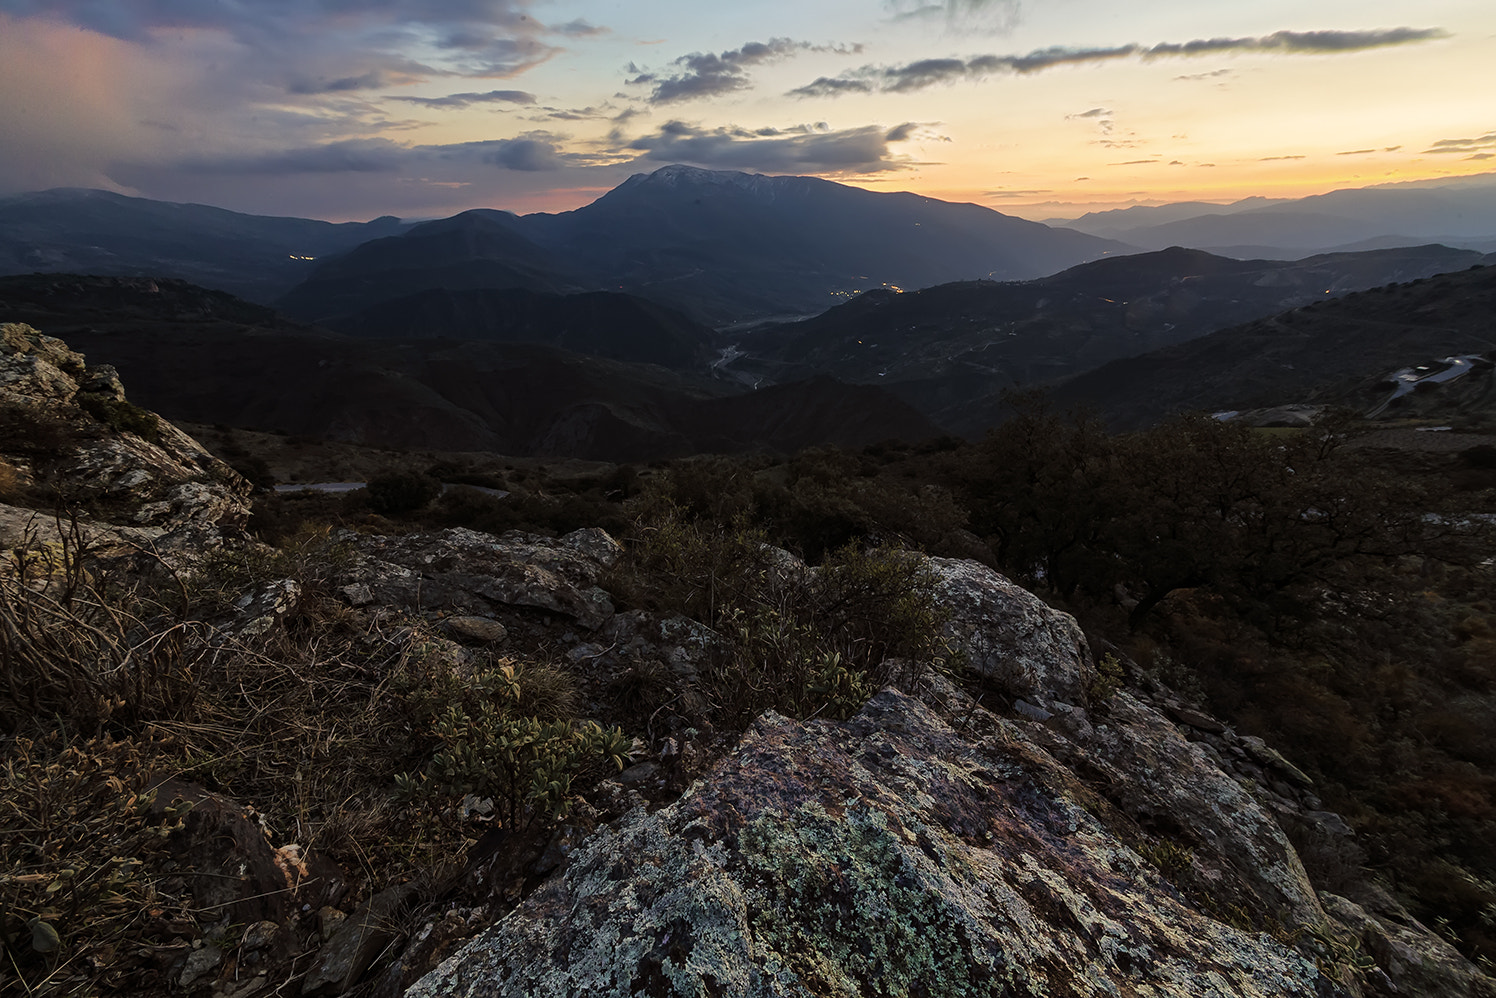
(930, 72)
(454, 101)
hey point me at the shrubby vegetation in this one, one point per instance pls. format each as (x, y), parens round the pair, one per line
(1336, 600)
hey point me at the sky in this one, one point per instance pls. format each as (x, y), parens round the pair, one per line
(350, 109)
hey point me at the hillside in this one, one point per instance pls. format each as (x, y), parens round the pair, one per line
(1343, 352)
(97, 232)
(952, 350)
(597, 323)
(205, 357)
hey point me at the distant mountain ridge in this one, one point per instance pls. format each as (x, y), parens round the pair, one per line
(1459, 211)
(256, 257)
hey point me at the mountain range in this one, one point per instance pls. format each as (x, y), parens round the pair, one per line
(1457, 212)
(642, 325)
(723, 247)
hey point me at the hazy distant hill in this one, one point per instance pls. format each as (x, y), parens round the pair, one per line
(599, 323)
(1456, 211)
(206, 357)
(724, 247)
(951, 350)
(97, 232)
(1340, 352)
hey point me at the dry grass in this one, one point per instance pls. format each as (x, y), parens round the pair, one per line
(107, 689)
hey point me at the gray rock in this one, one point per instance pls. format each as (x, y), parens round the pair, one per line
(358, 942)
(1028, 710)
(1415, 960)
(884, 855)
(482, 630)
(1268, 756)
(1012, 637)
(200, 962)
(472, 574)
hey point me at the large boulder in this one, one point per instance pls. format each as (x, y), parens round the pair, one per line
(1012, 638)
(889, 854)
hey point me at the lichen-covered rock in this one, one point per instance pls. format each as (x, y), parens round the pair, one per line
(1141, 763)
(469, 573)
(1011, 637)
(1414, 960)
(886, 855)
(36, 366)
(135, 480)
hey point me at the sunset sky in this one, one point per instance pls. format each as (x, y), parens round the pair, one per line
(347, 109)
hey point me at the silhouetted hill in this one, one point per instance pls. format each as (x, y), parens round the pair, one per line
(476, 249)
(1338, 352)
(599, 323)
(951, 350)
(722, 246)
(98, 232)
(204, 357)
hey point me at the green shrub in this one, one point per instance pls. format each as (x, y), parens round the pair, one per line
(491, 748)
(401, 492)
(796, 640)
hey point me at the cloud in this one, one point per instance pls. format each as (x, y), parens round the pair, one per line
(466, 100)
(708, 74)
(1355, 152)
(479, 38)
(1485, 141)
(992, 16)
(1133, 162)
(926, 73)
(347, 156)
(1095, 112)
(530, 153)
(367, 81)
(832, 86)
(1214, 74)
(802, 149)
(1273, 159)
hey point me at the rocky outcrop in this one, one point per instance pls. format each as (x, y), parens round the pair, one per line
(891, 854)
(1011, 638)
(131, 480)
(467, 573)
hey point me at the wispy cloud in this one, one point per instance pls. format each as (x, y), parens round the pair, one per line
(930, 72)
(455, 101)
(709, 74)
(1447, 146)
